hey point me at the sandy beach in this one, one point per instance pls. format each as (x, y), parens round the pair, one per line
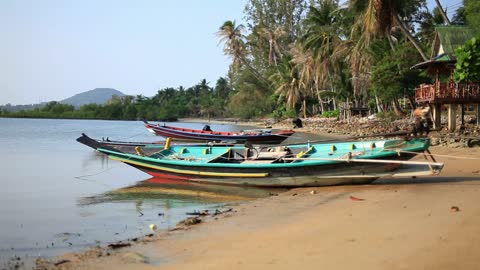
(414, 223)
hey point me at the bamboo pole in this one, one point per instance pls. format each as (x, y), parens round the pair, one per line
(365, 160)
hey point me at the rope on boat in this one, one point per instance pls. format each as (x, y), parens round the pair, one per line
(136, 135)
(84, 177)
(438, 155)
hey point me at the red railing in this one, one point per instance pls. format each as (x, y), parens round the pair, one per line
(425, 92)
(450, 92)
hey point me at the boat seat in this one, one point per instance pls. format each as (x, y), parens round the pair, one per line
(266, 157)
(304, 154)
(161, 154)
(222, 158)
(271, 155)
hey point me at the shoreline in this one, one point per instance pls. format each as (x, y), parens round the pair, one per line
(262, 124)
(425, 222)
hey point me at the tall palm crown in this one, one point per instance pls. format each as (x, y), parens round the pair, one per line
(273, 36)
(287, 84)
(231, 35)
(381, 15)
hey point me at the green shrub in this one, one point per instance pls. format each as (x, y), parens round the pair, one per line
(329, 114)
(389, 115)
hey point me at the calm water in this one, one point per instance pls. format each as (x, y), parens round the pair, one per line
(58, 195)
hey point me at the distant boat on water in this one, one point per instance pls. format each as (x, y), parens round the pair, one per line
(264, 136)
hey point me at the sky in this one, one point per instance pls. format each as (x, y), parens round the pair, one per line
(53, 49)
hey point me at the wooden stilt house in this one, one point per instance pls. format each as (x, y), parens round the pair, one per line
(444, 91)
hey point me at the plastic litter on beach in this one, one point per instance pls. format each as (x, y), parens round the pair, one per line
(353, 198)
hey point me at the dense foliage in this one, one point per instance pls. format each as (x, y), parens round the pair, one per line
(309, 57)
(299, 58)
(200, 100)
(467, 68)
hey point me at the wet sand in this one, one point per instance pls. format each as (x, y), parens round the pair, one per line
(419, 223)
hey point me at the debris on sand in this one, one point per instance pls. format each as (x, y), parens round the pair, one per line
(189, 221)
(119, 245)
(353, 198)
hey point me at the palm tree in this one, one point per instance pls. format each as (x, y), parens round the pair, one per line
(235, 46)
(251, 96)
(442, 12)
(287, 84)
(381, 15)
(307, 68)
(275, 51)
(222, 89)
(321, 44)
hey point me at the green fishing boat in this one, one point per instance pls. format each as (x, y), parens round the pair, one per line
(308, 164)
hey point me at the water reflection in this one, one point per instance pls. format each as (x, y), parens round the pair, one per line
(176, 193)
(93, 159)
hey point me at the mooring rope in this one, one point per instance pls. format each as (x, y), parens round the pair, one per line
(136, 135)
(82, 177)
(439, 155)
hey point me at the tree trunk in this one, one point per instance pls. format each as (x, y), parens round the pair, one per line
(409, 36)
(304, 108)
(377, 101)
(411, 100)
(442, 12)
(396, 108)
(389, 38)
(319, 98)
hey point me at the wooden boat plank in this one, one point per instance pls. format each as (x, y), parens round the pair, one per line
(271, 155)
(258, 161)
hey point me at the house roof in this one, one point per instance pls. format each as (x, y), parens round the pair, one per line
(450, 37)
(442, 59)
(447, 39)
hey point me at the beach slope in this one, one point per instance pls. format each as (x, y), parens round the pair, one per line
(419, 223)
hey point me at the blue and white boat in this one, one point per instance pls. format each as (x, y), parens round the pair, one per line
(307, 164)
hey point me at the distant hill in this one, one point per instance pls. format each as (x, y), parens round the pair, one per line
(97, 95)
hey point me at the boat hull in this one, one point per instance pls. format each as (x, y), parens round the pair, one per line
(301, 176)
(294, 165)
(201, 135)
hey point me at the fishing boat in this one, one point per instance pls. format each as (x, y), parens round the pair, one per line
(132, 147)
(265, 136)
(309, 164)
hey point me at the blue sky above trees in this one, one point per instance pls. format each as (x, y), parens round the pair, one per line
(53, 49)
